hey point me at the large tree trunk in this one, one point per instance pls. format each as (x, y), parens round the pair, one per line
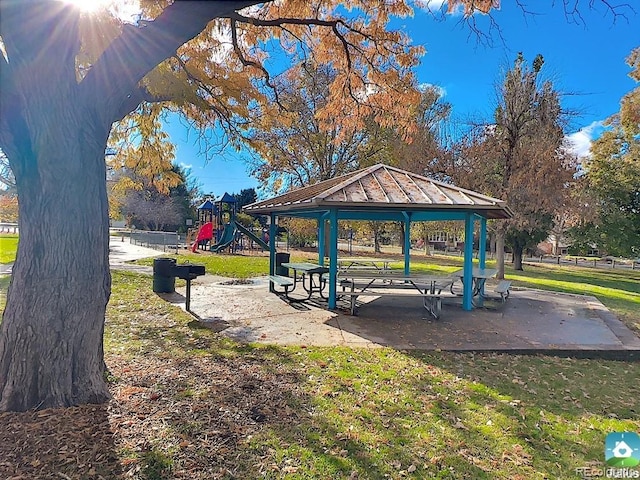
(500, 253)
(517, 257)
(51, 336)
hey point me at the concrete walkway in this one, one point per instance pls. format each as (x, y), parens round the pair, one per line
(121, 252)
(531, 321)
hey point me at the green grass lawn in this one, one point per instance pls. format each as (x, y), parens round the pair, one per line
(344, 413)
(234, 266)
(188, 403)
(8, 247)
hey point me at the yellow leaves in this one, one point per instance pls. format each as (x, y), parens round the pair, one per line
(8, 208)
(633, 60)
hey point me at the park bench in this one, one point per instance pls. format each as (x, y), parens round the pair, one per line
(282, 281)
(503, 289)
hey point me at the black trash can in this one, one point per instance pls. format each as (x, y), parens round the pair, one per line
(280, 259)
(164, 280)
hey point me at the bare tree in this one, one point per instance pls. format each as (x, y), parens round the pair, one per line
(521, 158)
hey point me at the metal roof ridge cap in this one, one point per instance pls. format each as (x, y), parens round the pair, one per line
(381, 188)
(466, 191)
(469, 199)
(438, 187)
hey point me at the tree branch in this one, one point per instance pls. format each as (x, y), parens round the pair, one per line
(250, 63)
(279, 22)
(139, 49)
(131, 101)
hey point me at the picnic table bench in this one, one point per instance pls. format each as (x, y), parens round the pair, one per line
(382, 283)
(503, 289)
(282, 281)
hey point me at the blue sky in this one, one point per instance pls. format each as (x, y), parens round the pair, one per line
(586, 61)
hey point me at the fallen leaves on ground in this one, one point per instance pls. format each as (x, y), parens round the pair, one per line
(204, 411)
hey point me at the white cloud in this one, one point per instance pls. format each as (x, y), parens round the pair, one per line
(186, 166)
(431, 5)
(580, 141)
(440, 90)
(439, 6)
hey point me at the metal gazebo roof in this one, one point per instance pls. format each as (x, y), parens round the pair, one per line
(385, 192)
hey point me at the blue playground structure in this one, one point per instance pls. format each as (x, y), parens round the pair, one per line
(216, 220)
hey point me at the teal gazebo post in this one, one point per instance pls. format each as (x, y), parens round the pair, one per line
(482, 249)
(482, 253)
(333, 256)
(273, 230)
(321, 236)
(482, 243)
(467, 278)
(407, 242)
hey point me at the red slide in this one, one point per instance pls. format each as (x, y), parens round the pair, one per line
(205, 233)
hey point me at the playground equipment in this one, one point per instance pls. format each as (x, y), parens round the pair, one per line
(217, 221)
(206, 226)
(204, 236)
(229, 234)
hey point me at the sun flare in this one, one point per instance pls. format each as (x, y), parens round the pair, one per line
(90, 6)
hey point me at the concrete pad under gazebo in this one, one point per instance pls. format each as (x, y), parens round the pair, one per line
(384, 193)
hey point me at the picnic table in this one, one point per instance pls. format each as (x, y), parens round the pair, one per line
(363, 263)
(375, 283)
(310, 276)
(479, 277)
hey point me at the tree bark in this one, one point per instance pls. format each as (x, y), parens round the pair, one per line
(51, 345)
(517, 258)
(500, 253)
(376, 242)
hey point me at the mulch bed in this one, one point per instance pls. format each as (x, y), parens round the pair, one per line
(168, 418)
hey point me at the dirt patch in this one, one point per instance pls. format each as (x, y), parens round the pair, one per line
(237, 281)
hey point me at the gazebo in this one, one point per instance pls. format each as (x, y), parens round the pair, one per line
(384, 193)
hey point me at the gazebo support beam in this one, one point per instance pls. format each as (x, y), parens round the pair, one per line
(273, 230)
(482, 243)
(321, 245)
(467, 294)
(482, 250)
(407, 242)
(333, 256)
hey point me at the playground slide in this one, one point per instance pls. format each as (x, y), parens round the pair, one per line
(252, 236)
(228, 234)
(205, 233)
